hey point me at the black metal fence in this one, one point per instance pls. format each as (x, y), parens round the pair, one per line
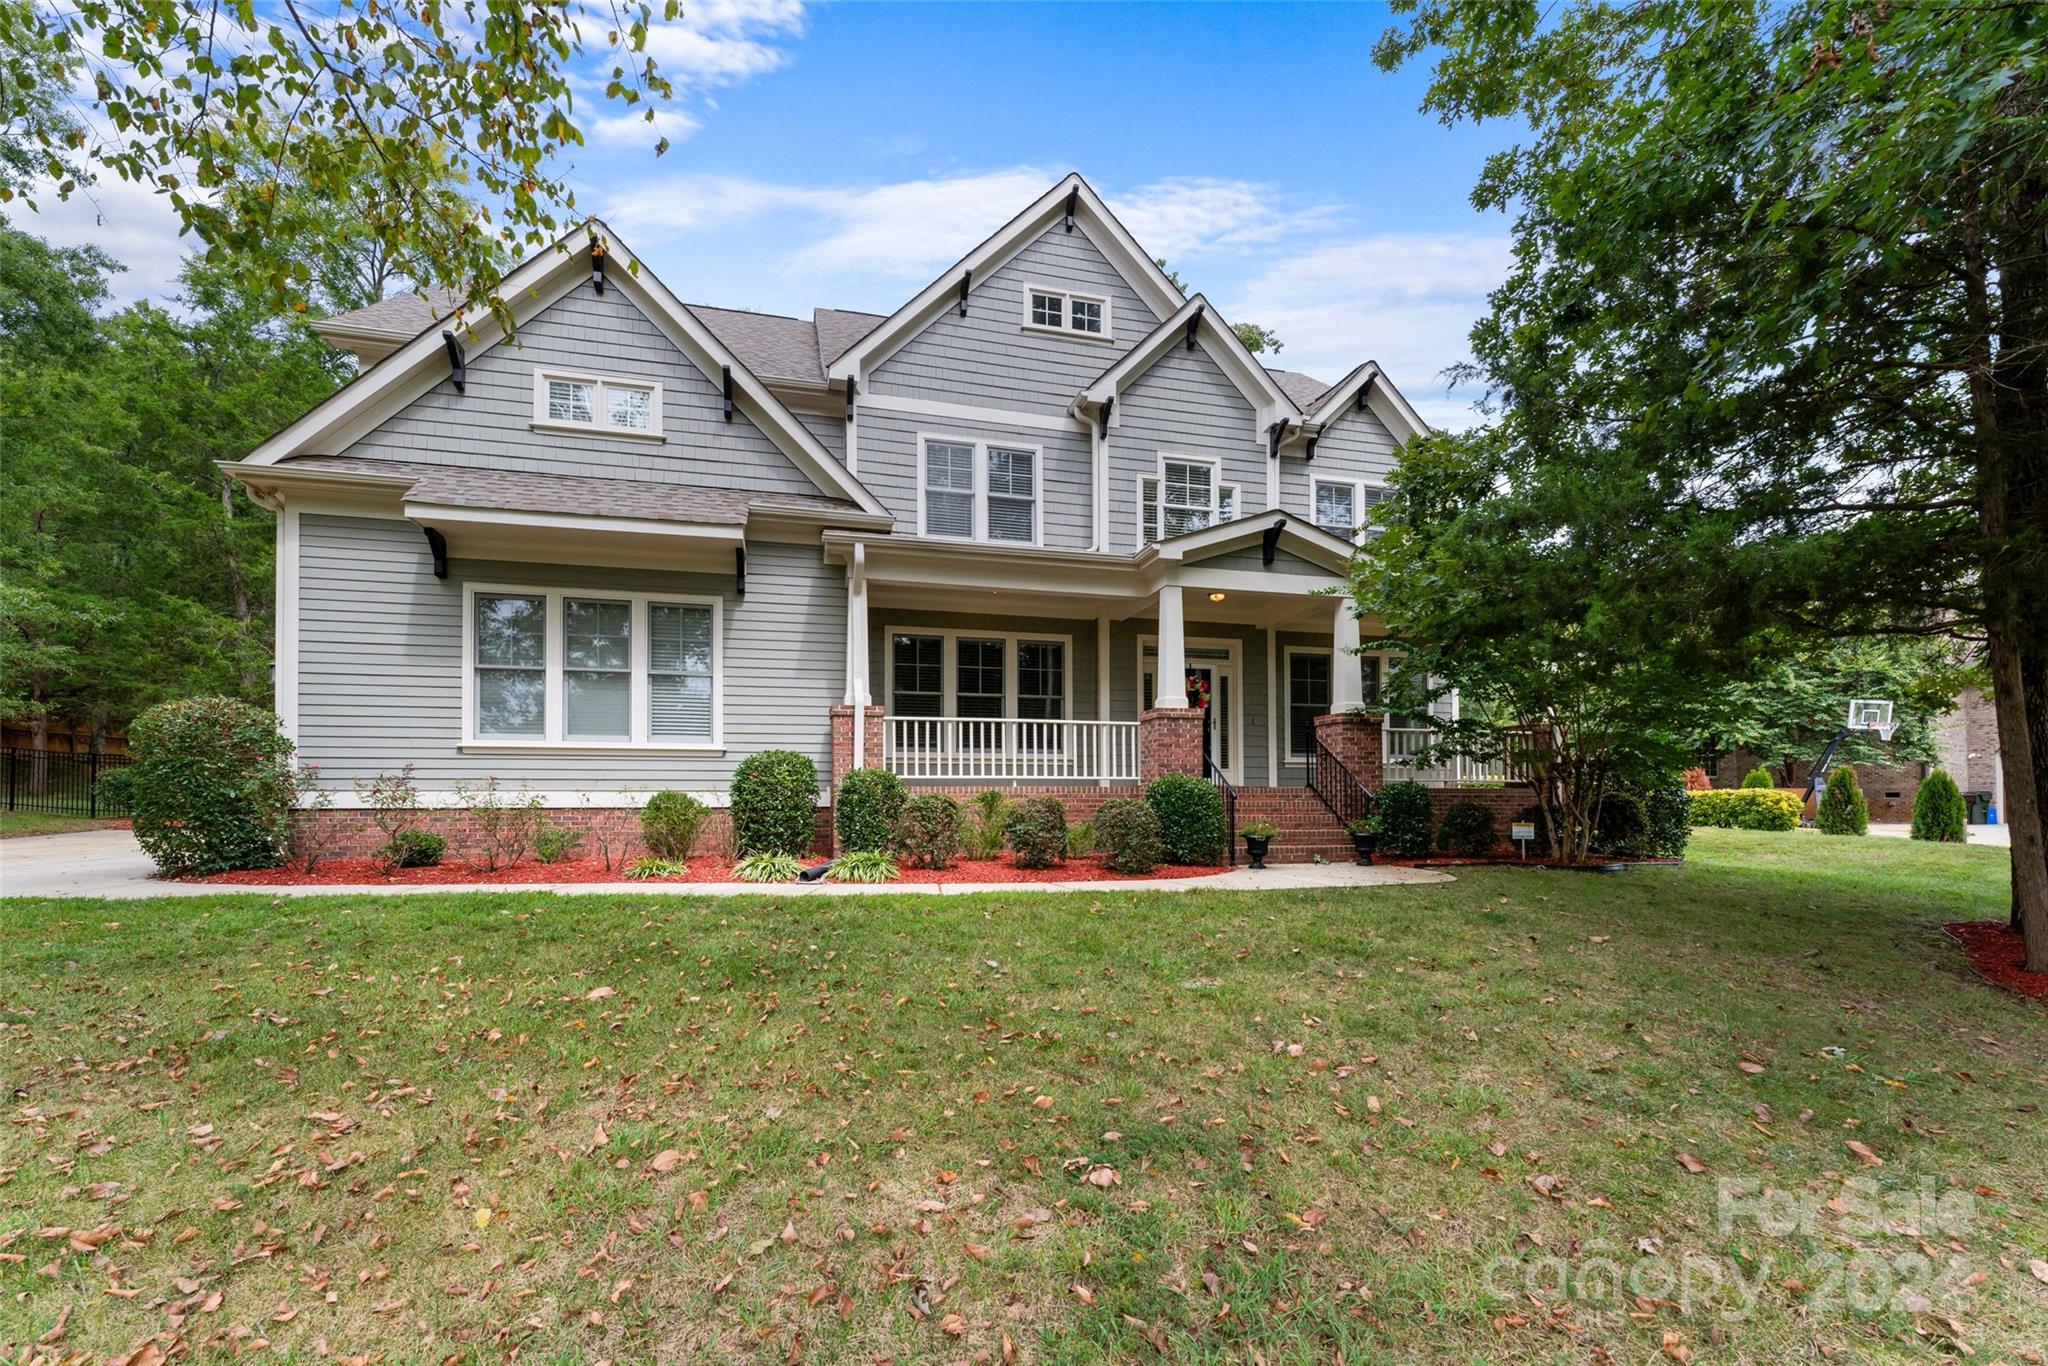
(63, 784)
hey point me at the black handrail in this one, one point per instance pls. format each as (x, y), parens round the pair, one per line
(1229, 806)
(1339, 789)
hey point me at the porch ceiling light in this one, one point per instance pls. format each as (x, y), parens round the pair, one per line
(1216, 597)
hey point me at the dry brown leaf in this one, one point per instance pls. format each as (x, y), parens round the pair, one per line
(1691, 1163)
(1862, 1150)
(666, 1160)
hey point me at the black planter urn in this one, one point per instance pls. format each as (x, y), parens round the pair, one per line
(1363, 845)
(1256, 846)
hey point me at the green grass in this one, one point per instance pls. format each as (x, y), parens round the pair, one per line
(15, 824)
(432, 1127)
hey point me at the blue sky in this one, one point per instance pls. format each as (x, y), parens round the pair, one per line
(844, 154)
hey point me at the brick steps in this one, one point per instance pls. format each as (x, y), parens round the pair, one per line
(1304, 827)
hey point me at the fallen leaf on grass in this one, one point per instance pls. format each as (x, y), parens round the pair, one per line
(2040, 1270)
(598, 993)
(1676, 1349)
(953, 1326)
(1083, 1293)
(667, 1160)
(1691, 1163)
(1862, 1150)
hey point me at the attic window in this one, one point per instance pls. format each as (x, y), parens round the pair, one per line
(1061, 310)
(598, 404)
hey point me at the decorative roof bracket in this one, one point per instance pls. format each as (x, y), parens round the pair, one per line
(458, 363)
(739, 569)
(1310, 453)
(597, 255)
(852, 389)
(966, 283)
(1194, 323)
(728, 392)
(1072, 195)
(438, 545)
(1107, 404)
(1269, 541)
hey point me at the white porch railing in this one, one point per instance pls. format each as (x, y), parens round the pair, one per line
(961, 749)
(1405, 742)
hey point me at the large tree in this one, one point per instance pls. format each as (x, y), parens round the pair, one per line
(1788, 263)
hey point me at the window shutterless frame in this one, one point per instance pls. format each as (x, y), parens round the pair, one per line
(939, 491)
(1089, 322)
(1154, 502)
(612, 399)
(1364, 494)
(554, 729)
(949, 661)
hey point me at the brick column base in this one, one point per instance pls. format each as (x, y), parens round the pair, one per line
(1355, 738)
(842, 741)
(1169, 741)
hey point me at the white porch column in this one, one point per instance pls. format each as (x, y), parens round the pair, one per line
(857, 651)
(1102, 666)
(1171, 675)
(1347, 683)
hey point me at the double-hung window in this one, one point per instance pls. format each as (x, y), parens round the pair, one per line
(1048, 309)
(1186, 495)
(1342, 506)
(977, 675)
(979, 491)
(1308, 696)
(562, 667)
(597, 403)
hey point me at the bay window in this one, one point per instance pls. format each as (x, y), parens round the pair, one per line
(575, 669)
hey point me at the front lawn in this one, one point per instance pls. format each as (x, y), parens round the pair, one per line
(20, 824)
(1359, 1126)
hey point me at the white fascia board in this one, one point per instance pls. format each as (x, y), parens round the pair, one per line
(1139, 270)
(294, 484)
(1305, 539)
(1387, 403)
(448, 514)
(908, 560)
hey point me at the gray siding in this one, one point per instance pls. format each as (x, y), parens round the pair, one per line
(381, 673)
(1356, 446)
(1251, 559)
(490, 425)
(888, 468)
(829, 428)
(990, 359)
(1183, 405)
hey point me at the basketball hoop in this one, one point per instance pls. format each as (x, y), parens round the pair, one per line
(1874, 715)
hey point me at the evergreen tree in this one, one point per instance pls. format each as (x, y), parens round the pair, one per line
(1938, 810)
(1842, 808)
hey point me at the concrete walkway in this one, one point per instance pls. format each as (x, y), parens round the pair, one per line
(1999, 836)
(109, 863)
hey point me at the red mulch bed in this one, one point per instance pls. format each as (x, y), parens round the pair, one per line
(1996, 952)
(362, 871)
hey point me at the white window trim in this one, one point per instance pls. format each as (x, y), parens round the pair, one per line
(981, 447)
(1067, 298)
(1357, 487)
(602, 410)
(949, 659)
(1216, 487)
(1287, 694)
(554, 736)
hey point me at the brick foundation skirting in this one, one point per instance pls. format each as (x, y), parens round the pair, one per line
(1082, 800)
(352, 834)
(1503, 802)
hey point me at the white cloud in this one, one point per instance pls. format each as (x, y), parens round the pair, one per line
(724, 41)
(1405, 300)
(127, 221)
(635, 129)
(1181, 218)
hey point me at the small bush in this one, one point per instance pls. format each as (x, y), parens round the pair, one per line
(211, 788)
(1037, 831)
(1127, 836)
(981, 828)
(928, 832)
(1759, 777)
(1667, 818)
(504, 825)
(1620, 827)
(669, 824)
(552, 843)
(775, 804)
(1842, 809)
(1191, 824)
(1696, 780)
(394, 806)
(415, 848)
(1080, 839)
(1406, 819)
(642, 868)
(865, 809)
(114, 791)
(1745, 808)
(1468, 830)
(863, 865)
(1939, 812)
(767, 868)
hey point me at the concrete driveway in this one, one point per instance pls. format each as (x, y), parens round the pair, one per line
(109, 863)
(1997, 835)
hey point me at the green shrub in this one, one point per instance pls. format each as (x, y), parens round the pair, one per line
(775, 804)
(865, 809)
(669, 824)
(1258, 830)
(1620, 827)
(211, 786)
(928, 832)
(1667, 817)
(863, 865)
(1759, 777)
(642, 868)
(982, 826)
(1406, 819)
(1467, 829)
(414, 848)
(1939, 812)
(1037, 832)
(1080, 839)
(552, 843)
(1842, 809)
(1127, 836)
(1745, 808)
(114, 791)
(504, 825)
(767, 868)
(1190, 811)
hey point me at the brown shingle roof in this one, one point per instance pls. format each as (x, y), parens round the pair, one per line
(1303, 389)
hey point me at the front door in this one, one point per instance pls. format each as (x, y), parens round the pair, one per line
(1212, 689)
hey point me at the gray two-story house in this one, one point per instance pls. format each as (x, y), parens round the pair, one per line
(979, 541)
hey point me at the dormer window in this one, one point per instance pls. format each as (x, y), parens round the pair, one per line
(1062, 310)
(596, 403)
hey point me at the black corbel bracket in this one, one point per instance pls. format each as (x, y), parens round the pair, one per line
(739, 569)
(1363, 390)
(1310, 453)
(728, 392)
(458, 364)
(1072, 195)
(596, 264)
(1269, 541)
(1275, 434)
(852, 388)
(966, 283)
(1194, 325)
(1107, 404)
(438, 544)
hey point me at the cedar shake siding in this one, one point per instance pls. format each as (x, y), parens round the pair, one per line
(1183, 404)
